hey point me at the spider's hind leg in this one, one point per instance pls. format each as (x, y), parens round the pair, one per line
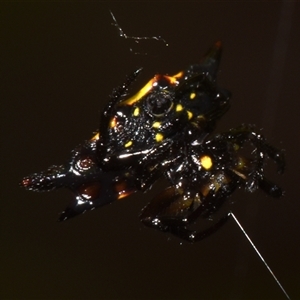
(237, 137)
(174, 213)
(270, 188)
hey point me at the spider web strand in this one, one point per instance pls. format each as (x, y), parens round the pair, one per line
(260, 256)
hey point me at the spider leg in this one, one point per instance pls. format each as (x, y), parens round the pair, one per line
(244, 133)
(197, 236)
(270, 188)
(174, 213)
(238, 136)
(276, 155)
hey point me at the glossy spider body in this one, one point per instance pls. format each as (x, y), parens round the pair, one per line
(165, 130)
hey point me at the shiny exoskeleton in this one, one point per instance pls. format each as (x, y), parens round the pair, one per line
(204, 175)
(167, 109)
(165, 130)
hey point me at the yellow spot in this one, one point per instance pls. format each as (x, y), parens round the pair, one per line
(113, 123)
(190, 114)
(192, 96)
(206, 162)
(179, 107)
(136, 112)
(128, 144)
(159, 137)
(156, 125)
(95, 137)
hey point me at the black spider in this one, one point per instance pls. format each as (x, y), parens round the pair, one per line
(164, 130)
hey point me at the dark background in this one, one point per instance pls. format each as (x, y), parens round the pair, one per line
(60, 63)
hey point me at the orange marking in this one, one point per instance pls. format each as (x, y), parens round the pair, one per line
(142, 92)
(96, 137)
(122, 190)
(178, 75)
(123, 194)
(172, 79)
(113, 122)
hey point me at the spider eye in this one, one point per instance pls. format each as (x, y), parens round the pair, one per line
(84, 164)
(159, 104)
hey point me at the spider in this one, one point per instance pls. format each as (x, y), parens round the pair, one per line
(165, 130)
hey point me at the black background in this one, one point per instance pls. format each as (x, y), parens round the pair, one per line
(60, 63)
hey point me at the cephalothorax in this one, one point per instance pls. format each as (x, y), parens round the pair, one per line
(165, 130)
